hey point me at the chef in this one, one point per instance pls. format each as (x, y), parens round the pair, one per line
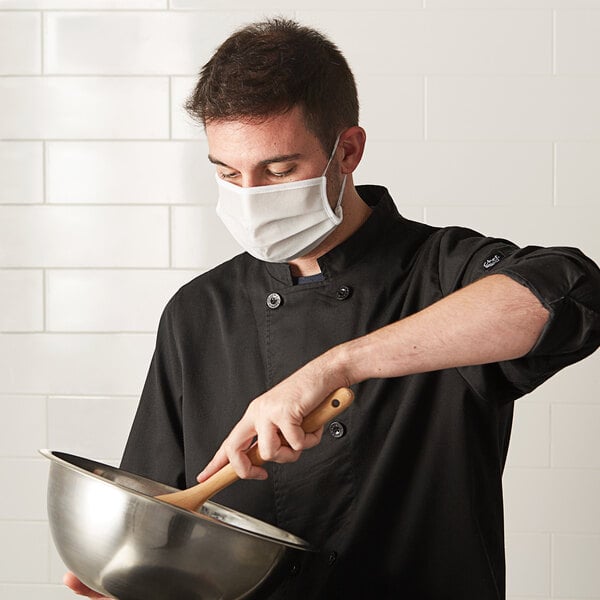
(437, 330)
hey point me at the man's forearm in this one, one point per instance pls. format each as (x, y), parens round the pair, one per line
(493, 319)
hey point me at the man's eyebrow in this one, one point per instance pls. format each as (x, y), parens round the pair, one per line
(216, 161)
(280, 158)
(262, 163)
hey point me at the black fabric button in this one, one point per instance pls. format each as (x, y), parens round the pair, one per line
(274, 300)
(294, 569)
(332, 558)
(343, 292)
(337, 430)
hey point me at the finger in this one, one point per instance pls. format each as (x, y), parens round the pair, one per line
(72, 582)
(218, 461)
(241, 436)
(294, 435)
(269, 441)
(313, 439)
(242, 465)
(243, 469)
(285, 454)
(236, 447)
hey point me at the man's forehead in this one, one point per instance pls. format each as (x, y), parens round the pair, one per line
(290, 122)
(278, 139)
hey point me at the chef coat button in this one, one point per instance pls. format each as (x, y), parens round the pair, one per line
(274, 300)
(337, 429)
(332, 558)
(343, 292)
(294, 569)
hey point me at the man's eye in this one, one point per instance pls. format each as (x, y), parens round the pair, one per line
(227, 175)
(282, 173)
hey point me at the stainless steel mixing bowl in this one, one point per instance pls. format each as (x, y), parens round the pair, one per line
(122, 542)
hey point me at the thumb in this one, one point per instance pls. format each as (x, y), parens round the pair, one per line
(71, 581)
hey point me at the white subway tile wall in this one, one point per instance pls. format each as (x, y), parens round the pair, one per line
(21, 300)
(21, 172)
(25, 558)
(20, 44)
(84, 236)
(511, 108)
(183, 127)
(477, 174)
(150, 43)
(163, 172)
(484, 113)
(26, 429)
(84, 107)
(578, 42)
(109, 300)
(27, 499)
(575, 565)
(441, 42)
(528, 560)
(403, 119)
(77, 425)
(577, 181)
(74, 363)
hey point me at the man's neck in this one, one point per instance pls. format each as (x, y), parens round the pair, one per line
(356, 212)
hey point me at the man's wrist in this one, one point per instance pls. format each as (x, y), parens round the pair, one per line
(334, 367)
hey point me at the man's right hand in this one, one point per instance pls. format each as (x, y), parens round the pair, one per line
(80, 588)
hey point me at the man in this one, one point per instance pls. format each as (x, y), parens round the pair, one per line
(437, 330)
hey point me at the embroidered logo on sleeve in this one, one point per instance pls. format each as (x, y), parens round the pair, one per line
(493, 260)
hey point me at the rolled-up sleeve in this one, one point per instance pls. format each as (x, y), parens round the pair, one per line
(564, 280)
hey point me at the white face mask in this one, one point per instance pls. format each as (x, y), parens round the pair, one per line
(279, 222)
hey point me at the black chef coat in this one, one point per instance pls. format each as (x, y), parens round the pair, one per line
(404, 497)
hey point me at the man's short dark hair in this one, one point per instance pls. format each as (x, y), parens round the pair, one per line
(268, 68)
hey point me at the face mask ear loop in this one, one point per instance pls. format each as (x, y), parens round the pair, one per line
(337, 141)
(339, 201)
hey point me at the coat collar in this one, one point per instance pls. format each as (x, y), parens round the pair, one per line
(340, 258)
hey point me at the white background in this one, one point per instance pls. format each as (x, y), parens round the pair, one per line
(483, 113)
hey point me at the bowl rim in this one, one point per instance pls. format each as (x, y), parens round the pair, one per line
(293, 541)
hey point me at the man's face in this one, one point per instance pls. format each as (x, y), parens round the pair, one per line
(278, 150)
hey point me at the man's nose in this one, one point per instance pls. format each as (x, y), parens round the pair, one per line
(252, 180)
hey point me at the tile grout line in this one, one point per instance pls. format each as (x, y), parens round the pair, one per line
(42, 66)
(44, 194)
(170, 211)
(549, 448)
(135, 10)
(68, 395)
(170, 236)
(109, 75)
(47, 420)
(425, 103)
(111, 268)
(551, 569)
(44, 301)
(554, 173)
(553, 41)
(170, 92)
(47, 445)
(44, 190)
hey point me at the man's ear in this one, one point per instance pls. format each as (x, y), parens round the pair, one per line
(352, 145)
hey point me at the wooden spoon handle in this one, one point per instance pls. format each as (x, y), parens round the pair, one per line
(196, 496)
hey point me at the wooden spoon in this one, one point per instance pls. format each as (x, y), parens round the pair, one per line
(196, 496)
